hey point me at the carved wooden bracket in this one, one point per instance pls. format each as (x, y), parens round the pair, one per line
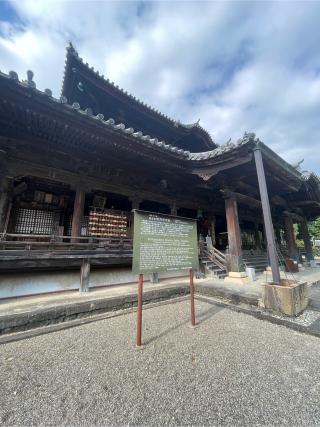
(209, 172)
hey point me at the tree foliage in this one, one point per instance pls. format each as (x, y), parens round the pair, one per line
(314, 228)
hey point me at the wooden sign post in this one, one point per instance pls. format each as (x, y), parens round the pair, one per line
(139, 312)
(193, 316)
(163, 243)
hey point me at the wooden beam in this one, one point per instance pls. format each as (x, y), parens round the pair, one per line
(306, 203)
(210, 171)
(241, 198)
(20, 167)
(247, 187)
(279, 201)
(294, 216)
(20, 188)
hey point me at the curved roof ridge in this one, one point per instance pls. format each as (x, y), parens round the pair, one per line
(71, 49)
(224, 148)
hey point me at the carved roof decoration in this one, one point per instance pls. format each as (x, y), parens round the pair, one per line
(224, 148)
(175, 123)
(311, 176)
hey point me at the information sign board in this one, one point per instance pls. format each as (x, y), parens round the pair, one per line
(164, 243)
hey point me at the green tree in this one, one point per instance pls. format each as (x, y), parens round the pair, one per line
(314, 228)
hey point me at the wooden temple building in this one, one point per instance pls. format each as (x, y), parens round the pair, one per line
(72, 169)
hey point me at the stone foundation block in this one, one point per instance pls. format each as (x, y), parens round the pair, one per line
(268, 277)
(237, 277)
(234, 263)
(289, 298)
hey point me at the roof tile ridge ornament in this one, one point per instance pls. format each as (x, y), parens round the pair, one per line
(119, 126)
(76, 106)
(196, 124)
(13, 75)
(48, 92)
(29, 82)
(178, 123)
(71, 49)
(297, 165)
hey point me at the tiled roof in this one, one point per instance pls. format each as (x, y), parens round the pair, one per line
(110, 123)
(72, 51)
(248, 138)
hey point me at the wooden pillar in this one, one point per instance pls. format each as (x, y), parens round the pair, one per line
(77, 213)
(272, 251)
(5, 202)
(235, 262)
(290, 237)
(306, 240)
(85, 275)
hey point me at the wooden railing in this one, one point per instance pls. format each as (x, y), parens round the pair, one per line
(30, 242)
(213, 255)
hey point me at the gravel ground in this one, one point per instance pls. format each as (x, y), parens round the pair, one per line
(232, 370)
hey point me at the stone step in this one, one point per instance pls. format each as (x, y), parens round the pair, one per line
(256, 264)
(218, 271)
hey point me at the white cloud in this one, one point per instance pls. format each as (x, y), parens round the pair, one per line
(238, 66)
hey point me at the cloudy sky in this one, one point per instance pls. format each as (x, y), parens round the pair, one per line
(238, 66)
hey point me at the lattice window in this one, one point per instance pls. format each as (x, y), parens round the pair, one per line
(84, 226)
(33, 221)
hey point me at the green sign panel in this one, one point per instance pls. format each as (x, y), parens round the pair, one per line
(164, 243)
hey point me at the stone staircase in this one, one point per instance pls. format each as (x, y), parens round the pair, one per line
(259, 259)
(213, 261)
(256, 259)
